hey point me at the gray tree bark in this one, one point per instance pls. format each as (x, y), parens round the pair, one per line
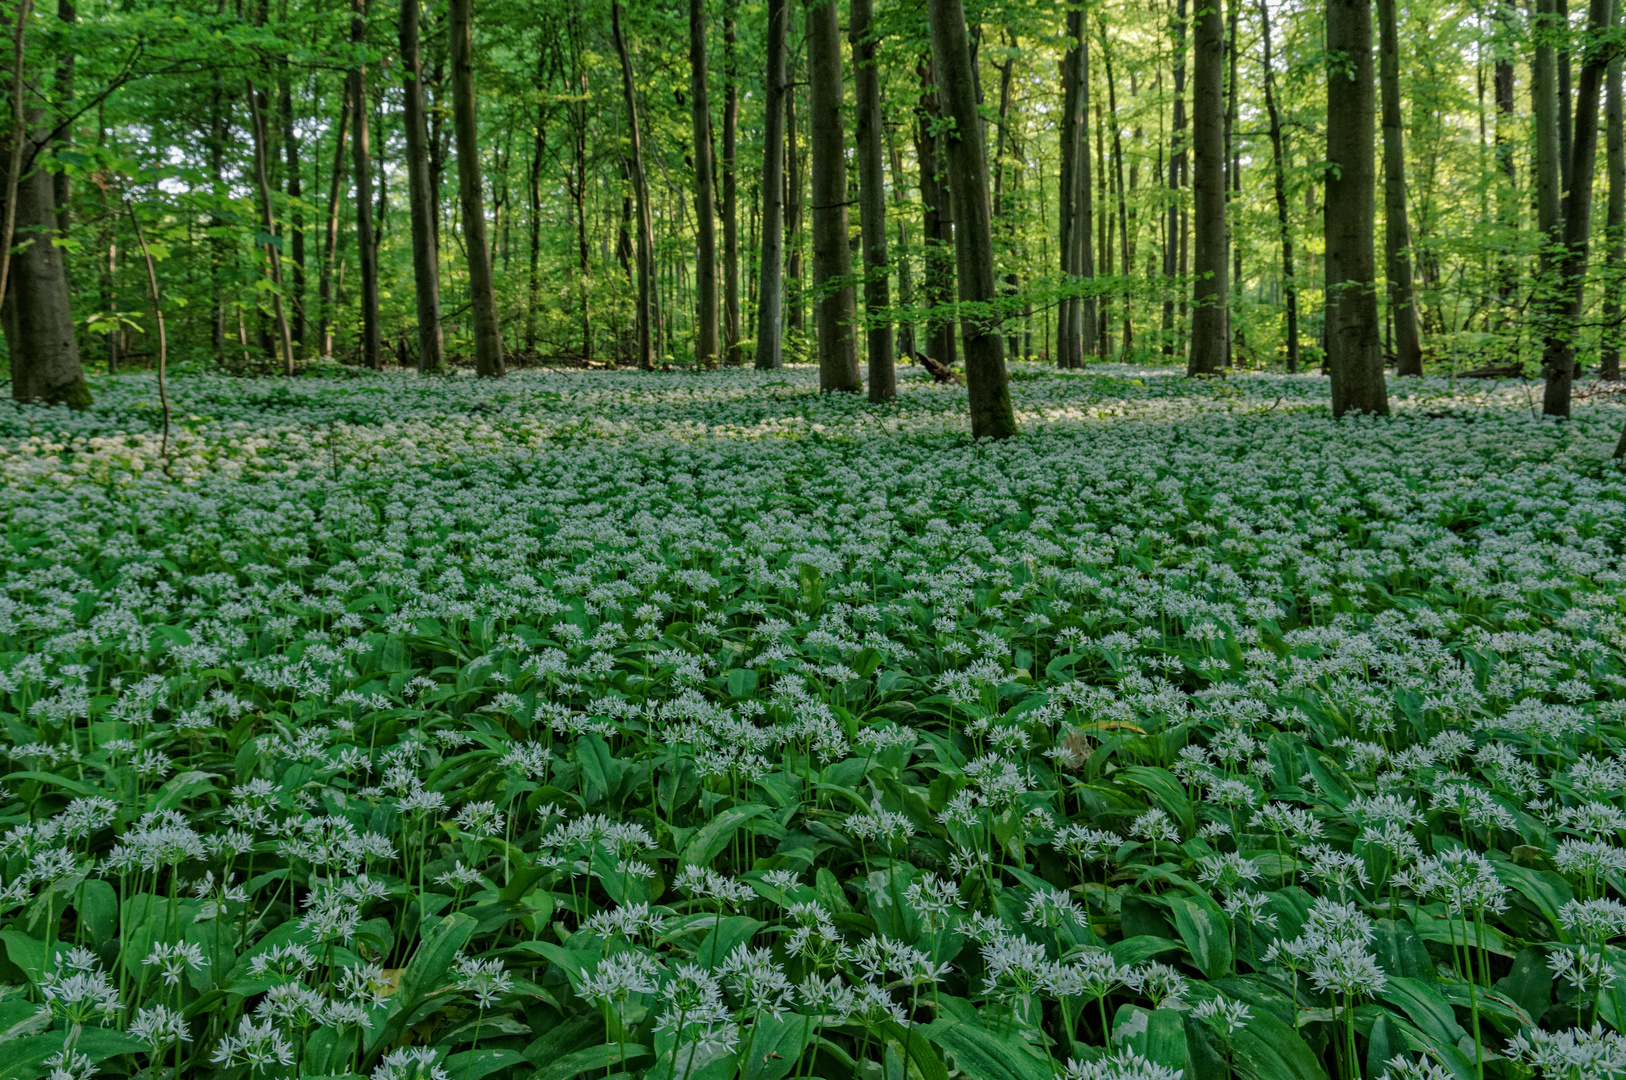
(1210, 335)
(372, 342)
(1396, 230)
(1615, 143)
(705, 203)
(883, 379)
(420, 197)
(647, 316)
(835, 306)
(770, 288)
(1354, 340)
(1284, 227)
(36, 313)
(488, 352)
(985, 375)
(262, 184)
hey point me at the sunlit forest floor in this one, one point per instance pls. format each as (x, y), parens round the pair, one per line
(699, 725)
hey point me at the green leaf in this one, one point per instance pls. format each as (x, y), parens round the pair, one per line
(980, 1053)
(1206, 931)
(710, 839)
(1159, 1035)
(595, 1059)
(1166, 790)
(1267, 1049)
(474, 1064)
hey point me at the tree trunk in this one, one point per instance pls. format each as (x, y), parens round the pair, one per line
(296, 208)
(533, 191)
(985, 375)
(1290, 292)
(219, 245)
(67, 12)
(577, 183)
(883, 379)
(1123, 195)
(905, 340)
(1177, 179)
(488, 354)
(705, 207)
(937, 224)
(372, 345)
(770, 292)
(420, 197)
(793, 216)
(1615, 141)
(731, 182)
(262, 182)
(37, 314)
(1075, 329)
(647, 318)
(1209, 333)
(834, 303)
(1233, 180)
(1507, 139)
(1396, 231)
(330, 233)
(1558, 355)
(1354, 339)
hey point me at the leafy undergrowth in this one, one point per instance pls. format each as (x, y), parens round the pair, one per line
(698, 727)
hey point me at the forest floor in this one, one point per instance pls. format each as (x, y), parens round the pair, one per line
(698, 725)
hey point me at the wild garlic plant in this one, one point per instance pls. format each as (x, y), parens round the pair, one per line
(701, 728)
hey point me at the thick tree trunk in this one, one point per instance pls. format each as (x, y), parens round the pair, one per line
(985, 375)
(770, 290)
(372, 345)
(268, 224)
(1558, 355)
(883, 379)
(36, 313)
(1123, 197)
(1210, 335)
(647, 318)
(1615, 141)
(1177, 179)
(488, 353)
(1396, 231)
(420, 197)
(1290, 292)
(330, 233)
(705, 205)
(1354, 339)
(731, 182)
(832, 257)
(937, 223)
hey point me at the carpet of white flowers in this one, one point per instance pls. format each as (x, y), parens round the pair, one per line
(697, 727)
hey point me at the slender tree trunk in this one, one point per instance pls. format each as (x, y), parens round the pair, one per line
(647, 319)
(67, 12)
(937, 224)
(219, 245)
(262, 182)
(1177, 178)
(1396, 231)
(883, 379)
(1507, 138)
(296, 209)
(834, 302)
(1354, 335)
(1558, 355)
(770, 292)
(1082, 238)
(1069, 221)
(1566, 120)
(705, 206)
(1290, 292)
(1122, 192)
(533, 189)
(731, 180)
(1233, 181)
(488, 352)
(986, 378)
(905, 341)
(372, 345)
(1209, 333)
(420, 197)
(330, 234)
(578, 182)
(793, 216)
(1615, 142)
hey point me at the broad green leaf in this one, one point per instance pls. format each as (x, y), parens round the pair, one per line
(1206, 930)
(710, 839)
(977, 1052)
